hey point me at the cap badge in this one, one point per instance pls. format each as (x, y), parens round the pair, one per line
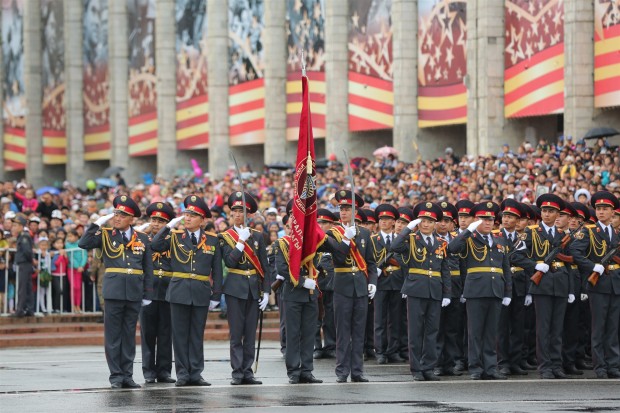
(489, 205)
(429, 205)
(444, 205)
(123, 198)
(343, 193)
(160, 205)
(193, 198)
(238, 194)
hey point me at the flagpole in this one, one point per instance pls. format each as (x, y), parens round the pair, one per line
(303, 74)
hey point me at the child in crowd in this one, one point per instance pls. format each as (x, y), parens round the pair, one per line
(44, 265)
(60, 285)
(77, 261)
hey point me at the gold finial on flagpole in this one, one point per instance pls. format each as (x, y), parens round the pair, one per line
(303, 64)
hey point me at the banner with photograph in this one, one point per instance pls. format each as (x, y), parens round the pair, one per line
(192, 101)
(53, 78)
(246, 92)
(142, 85)
(442, 62)
(534, 58)
(96, 80)
(305, 22)
(13, 90)
(606, 53)
(371, 96)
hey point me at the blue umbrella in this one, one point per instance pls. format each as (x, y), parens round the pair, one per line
(52, 190)
(111, 183)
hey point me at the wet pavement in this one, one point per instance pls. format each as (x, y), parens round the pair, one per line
(75, 379)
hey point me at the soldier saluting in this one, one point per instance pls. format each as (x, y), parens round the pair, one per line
(195, 287)
(127, 284)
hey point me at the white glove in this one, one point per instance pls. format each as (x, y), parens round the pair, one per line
(599, 269)
(474, 225)
(309, 283)
(279, 277)
(262, 304)
(506, 301)
(174, 222)
(414, 223)
(528, 300)
(145, 302)
(372, 290)
(404, 296)
(143, 226)
(584, 297)
(378, 272)
(350, 231)
(542, 267)
(571, 298)
(445, 302)
(244, 234)
(213, 304)
(102, 220)
(462, 300)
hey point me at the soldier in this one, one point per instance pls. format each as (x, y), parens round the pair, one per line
(405, 216)
(128, 284)
(450, 336)
(512, 320)
(327, 347)
(155, 318)
(361, 219)
(487, 286)
(23, 262)
(427, 286)
(604, 294)
(246, 284)
(355, 281)
(553, 291)
(370, 223)
(387, 302)
(195, 287)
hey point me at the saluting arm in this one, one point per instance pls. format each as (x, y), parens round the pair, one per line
(401, 244)
(90, 239)
(161, 242)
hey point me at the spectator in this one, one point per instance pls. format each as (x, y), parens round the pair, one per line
(46, 206)
(77, 261)
(60, 286)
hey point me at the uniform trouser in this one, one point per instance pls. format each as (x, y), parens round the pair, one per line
(242, 322)
(550, 312)
(511, 332)
(465, 334)
(450, 336)
(369, 338)
(300, 328)
(403, 347)
(24, 293)
(327, 324)
(570, 338)
(423, 315)
(529, 335)
(120, 319)
(188, 328)
(387, 322)
(156, 340)
(482, 320)
(282, 306)
(605, 309)
(350, 318)
(585, 319)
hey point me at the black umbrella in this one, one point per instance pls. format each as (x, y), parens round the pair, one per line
(281, 166)
(603, 132)
(112, 170)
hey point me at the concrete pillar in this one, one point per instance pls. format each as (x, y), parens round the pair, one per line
(217, 39)
(336, 77)
(2, 173)
(165, 56)
(119, 75)
(404, 49)
(274, 38)
(34, 92)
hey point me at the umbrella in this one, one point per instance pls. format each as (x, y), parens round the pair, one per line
(111, 183)
(281, 166)
(112, 170)
(603, 132)
(357, 162)
(385, 152)
(52, 190)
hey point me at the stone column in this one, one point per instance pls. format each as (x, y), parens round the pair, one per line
(75, 167)
(119, 76)
(275, 81)
(217, 39)
(34, 93)
(404, 49)
(165, 56)
(2, 173)
(336, 77)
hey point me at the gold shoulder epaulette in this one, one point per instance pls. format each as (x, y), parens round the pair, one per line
(533, 226)
(495, 231)
(213, 234)
(590, 226)
(178, 231)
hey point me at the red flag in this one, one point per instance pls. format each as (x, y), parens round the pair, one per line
(305, 232)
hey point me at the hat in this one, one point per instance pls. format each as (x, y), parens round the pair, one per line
(9, 215)
(57, 214)
(360, 216)
(235, 201)
(34, 218)
(487, 209)
(464, 207)
(550, 201)
(196, 205)
(510, 206)
(324, 215)
(405, 214)
(428, 210)
(19, 219)
(344, 198)
(21, 185)
(604, 198)
(126, 205)
(449, 210)
(536, 211)
(285, 219)
(5, 200)
(177, 195)
(289, 207)
(593, 218)
(569, 210)
(160, 210)
(386, 211)
(272, 211)
(583, 191)
(582, 210)
(529, 212)
(371, 216)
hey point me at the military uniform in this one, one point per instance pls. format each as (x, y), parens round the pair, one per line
(326, 347)
(128, 280)
(247, 279)
(487, 279)
(23, 262)
(405, 215)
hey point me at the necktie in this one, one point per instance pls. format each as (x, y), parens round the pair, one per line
(488, 237)
(194, 240)
(608, 232)
(512, 238)
(429, 242)
(551, 233)
(125, 238)
(388, 240)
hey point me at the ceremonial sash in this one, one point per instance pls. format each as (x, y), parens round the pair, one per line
(232, 238)
(338, 231)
